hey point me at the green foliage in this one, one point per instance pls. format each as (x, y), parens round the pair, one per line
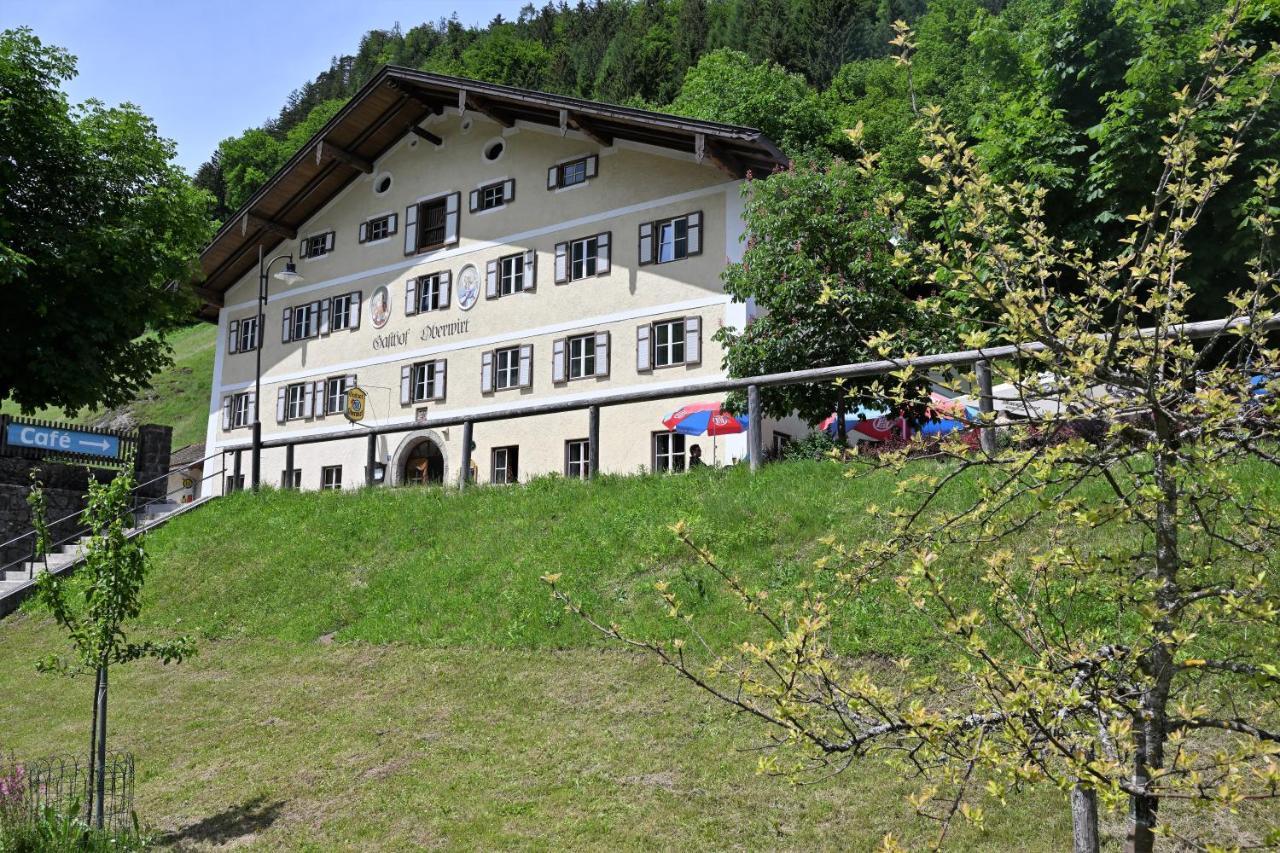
(51, 831)
(819, 265)
(95, 221)
(729, 86)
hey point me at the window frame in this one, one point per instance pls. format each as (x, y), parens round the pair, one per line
(492, 196)
(376, 222)
(435, 291)
(430, 377)
(512, 369)
(563, 170)
(300, 402)
(673, 341)
(346, 299)
(241, 416)
(305, 314)
(590, 254)
(329, 383)
(331, 478)
(423, 208)
(670, 456)
(510, 466)
(517, 279)
(659, 227)
(582, 359)
(286, 476)
(582, 464)
(250, 323)
(317, 245)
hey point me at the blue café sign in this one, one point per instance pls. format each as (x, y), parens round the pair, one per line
(62, 440)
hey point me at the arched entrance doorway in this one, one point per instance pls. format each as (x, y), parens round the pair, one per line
(423, 465)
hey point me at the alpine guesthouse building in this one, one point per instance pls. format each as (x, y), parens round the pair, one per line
(469, 248)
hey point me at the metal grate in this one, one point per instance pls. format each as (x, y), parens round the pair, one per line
(61, 783)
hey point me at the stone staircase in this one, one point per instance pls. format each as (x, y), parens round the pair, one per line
(18, 582)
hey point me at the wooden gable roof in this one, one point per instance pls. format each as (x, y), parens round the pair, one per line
(394, 103)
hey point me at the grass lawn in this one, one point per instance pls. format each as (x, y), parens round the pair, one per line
(383, 669)
(179, 394)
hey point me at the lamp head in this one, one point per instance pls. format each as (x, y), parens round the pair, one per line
(289, 274)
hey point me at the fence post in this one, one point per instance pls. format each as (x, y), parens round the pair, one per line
(287, 481)
(755, 448)
(986, 405)
(464, 476)
(593, 441)
(255, 467)
(370, 458)
(235, 472)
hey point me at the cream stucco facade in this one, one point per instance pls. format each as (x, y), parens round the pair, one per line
(633, 185)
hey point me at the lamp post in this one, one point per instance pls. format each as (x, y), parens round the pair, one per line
(287, 275)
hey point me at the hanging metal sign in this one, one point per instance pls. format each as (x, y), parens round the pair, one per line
(355, 407)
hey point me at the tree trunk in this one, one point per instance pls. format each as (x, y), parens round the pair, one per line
(93, 749)
(1084, 819)
(102, 749)
(842, 431)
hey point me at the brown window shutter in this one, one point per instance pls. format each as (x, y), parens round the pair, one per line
(644, 353)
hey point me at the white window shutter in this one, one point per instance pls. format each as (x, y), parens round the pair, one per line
(391, 223)
(349, 382)
(646, 243)
(355, 310)
(440, 378)
(562, 263)
(280, 406)
(486, 372)
(526, 365)
(313, 321)
(302, 247)
(558, 372)
(602, 353)
(324, 316)
(364, 232)
(308, 400)
(233, 336)
(473, 201)
(602, 253)
(406, 384)
(451, 218)
(322, 399)
(695, 233)
(288, 325)
(491, 280)
(252, 404)
(530, 269)
(411, 297)
(552, 174)
(593, 163)
(508, 190)
(226, 413)
(328, 241)
(446, 286)
(692, 340)
(643, 359)
(411, 229)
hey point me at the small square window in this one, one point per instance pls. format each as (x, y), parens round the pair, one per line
(378, 229)
(492, 196)
(317, 245)
(505, 465)
(574, 172)
(235, 483)
(291, 479)
(331, 477)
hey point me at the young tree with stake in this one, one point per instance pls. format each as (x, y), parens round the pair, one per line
(110, 585)
(1121, 637)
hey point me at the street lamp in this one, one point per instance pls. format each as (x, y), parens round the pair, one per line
(288, 275)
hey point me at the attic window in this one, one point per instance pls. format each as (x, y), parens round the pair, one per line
(493, 150)
(382, 184)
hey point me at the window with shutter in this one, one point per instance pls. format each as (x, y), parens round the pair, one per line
(432, 224)
(572, 173)
(490, 196)
(582, 356)
(506, 368)
(317, 245)
(378, 228)
(669, 343)
(511, 274)
(432, 292)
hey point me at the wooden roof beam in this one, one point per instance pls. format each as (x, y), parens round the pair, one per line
(716, 153)
(426, 134)
(250, 220)
(591, 130)
(328, 149)
(468, 101)
(436, 107)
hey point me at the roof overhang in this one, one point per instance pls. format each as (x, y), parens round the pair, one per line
(395, 102)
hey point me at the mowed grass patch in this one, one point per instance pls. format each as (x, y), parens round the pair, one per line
(284, 745)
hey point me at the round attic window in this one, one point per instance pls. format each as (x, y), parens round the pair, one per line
(381, 184)
(493, 149)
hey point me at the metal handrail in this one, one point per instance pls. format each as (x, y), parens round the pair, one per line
(71, 537)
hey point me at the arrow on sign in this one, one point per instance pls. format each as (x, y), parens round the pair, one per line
(101, 445)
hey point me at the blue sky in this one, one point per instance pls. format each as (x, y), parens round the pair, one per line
(205, 71)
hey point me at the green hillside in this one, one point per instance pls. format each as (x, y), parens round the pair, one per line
(383, 670)
(179, 395)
